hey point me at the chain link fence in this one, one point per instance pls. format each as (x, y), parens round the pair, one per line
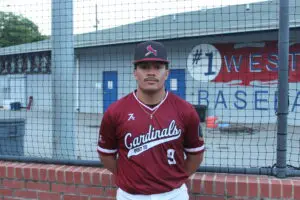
(62, 63)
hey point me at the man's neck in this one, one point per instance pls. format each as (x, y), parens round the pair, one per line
(151, 98)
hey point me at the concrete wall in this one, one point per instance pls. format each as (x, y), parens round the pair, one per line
(37, 86)
(92, 63)
(40, 87)
(56, 182)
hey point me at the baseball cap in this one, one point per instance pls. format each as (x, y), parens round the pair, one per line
(150, 51)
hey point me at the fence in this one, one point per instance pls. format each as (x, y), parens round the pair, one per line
(56, 83)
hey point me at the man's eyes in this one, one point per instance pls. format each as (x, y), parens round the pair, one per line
(149, 66)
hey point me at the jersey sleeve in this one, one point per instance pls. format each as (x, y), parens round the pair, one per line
(193, 136)
(107, 141)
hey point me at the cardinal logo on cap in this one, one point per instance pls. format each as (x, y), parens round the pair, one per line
(151, 51)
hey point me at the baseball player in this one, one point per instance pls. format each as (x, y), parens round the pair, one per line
(151, 139)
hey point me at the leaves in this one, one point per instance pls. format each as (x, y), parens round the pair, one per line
(16, 29)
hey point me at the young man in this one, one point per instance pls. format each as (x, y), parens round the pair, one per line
(156, 135)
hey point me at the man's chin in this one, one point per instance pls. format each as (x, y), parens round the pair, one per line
(150, 90)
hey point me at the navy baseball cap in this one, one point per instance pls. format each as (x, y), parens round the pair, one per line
(150, 51)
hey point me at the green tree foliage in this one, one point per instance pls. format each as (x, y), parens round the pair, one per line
(15, 29)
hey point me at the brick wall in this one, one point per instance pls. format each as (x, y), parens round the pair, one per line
(51, 182)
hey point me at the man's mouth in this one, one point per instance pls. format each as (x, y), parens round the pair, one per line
(150, 80)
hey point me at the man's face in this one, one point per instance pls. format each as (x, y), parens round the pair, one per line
(151, 76)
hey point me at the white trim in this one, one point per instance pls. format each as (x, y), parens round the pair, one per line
(194, 149)
(106, 150)
(149, 108)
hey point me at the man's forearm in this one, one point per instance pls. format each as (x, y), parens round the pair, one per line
(109, 162)
(192, 163)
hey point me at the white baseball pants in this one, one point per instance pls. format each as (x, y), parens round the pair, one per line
(176, 194)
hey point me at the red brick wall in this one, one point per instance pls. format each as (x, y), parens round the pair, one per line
(61, 182)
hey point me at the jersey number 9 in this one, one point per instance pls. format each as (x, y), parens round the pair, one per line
(171, 156)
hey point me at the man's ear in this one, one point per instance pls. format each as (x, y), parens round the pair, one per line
(134, 73)
(167, 74)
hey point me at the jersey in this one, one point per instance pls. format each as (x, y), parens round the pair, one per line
(150, 142)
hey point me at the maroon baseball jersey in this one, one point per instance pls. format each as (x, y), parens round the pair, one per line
(150, 150)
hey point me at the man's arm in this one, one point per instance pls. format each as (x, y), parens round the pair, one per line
(109, 162)
(193, 162)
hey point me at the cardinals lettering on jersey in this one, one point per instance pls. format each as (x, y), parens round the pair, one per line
(151, 139)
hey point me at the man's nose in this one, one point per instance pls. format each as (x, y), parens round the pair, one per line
(151, 69)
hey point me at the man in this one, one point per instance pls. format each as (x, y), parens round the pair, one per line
(151, 139)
